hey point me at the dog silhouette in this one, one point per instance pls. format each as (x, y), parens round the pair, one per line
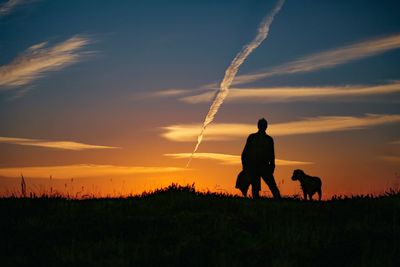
(309, 184)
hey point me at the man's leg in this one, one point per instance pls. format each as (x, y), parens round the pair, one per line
(270, 181)
(255, 181)
(255, 192)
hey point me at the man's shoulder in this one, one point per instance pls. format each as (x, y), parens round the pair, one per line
(260, 136)
(252, 135)
(268, 138)
(264, 135)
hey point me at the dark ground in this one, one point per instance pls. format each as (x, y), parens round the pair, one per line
(177, 226)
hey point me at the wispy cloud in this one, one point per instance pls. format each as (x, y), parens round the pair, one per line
(9, 5)
(313, 62)
(286, 94)
(391, 159)
(228, 159)
(231, 71)
(321, 124)
(169, 92)
(83, 171)
(40, 59)
(64, 145)
(327, 59)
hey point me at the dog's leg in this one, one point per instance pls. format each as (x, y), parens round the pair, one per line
(319, 194)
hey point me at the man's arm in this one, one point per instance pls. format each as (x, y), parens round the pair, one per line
(245, 153)
(273, 155)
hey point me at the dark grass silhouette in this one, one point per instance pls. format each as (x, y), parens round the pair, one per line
(179, 226)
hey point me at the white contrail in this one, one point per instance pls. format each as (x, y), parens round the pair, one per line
(233, 68)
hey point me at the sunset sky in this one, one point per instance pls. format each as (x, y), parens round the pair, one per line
(108, 97)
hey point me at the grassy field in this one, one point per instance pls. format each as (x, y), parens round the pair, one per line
(177, 226)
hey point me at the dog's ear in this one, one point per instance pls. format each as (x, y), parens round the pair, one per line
(298, 174)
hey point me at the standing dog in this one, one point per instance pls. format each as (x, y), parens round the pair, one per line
(309, 184)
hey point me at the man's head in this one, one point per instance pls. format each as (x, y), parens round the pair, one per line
(262, 125)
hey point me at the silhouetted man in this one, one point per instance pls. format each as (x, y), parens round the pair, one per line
(258, 160)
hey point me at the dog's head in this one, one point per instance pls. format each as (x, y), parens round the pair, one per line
(297, 174)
